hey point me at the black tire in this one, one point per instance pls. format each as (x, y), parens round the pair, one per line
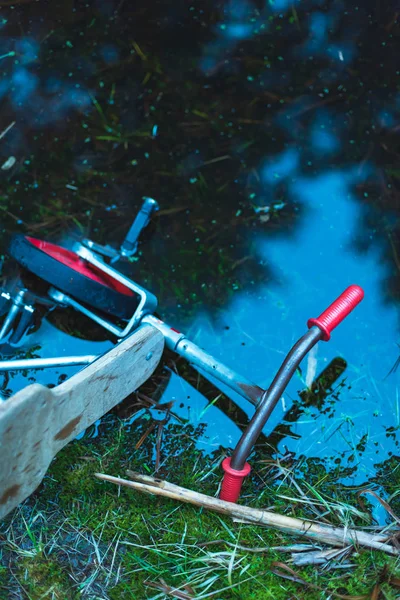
(93, 293)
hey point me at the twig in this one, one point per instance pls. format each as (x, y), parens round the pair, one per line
(7, 129)
(160, 430)
(298, 548)
(335, 536)
(18, 219)
(382, 502)
(145, 435)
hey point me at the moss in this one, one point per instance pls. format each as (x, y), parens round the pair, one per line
(44, 577)
(145, 540)
(4, 583)
(389, 472)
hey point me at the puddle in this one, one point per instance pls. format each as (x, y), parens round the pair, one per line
(277, 179)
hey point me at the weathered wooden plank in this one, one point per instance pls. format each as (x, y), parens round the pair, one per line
(37, 422)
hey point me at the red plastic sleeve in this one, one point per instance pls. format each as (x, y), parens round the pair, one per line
(338, 310)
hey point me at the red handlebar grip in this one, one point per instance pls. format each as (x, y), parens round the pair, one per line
(232, 481)
(338, 310)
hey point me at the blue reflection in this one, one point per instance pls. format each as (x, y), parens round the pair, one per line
(41, 97)
(27, 50)
(240, 22)
(312, 268)
(323, 140)
(322, 30)
(319, 24)
(281, 167)
(23, 84)
(110, 53)
(386, 119)
(281, 5)
(236, 31)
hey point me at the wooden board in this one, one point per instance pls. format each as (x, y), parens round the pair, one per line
(37, 422)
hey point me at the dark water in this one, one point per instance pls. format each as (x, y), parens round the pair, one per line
(269, 134)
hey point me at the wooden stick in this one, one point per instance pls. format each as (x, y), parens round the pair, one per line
(334, 536)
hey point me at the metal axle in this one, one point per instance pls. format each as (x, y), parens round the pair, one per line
(43, 363)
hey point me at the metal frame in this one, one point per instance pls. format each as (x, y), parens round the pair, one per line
(179, 343)
(271, 396)
(18, 306)
(264, 400)
(176, 341)
(92, 252)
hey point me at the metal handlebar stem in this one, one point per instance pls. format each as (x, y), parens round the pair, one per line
(130, 243)
(236, 468)
(272, 396)
(179, 343)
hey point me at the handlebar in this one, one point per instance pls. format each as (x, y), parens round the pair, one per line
(338, 311)
(236, 468)
(129, 245)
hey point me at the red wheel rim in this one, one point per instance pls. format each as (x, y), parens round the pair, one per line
(73, 261)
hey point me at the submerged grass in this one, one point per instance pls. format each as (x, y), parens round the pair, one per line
(78, 537)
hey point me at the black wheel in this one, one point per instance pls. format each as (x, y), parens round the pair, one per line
(74, 276)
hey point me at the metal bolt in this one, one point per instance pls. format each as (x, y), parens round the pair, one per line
(148, 357)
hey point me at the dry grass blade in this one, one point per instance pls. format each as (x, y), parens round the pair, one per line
(160, 430)
(295, 548)
(145, 435)
(170, 211)
(169, 591)
(320, 557)
(334, 536)
(7, 129)
(385, 505)
(384, 577)
(376, 592)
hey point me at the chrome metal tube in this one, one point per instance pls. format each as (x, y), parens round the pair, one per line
(42, 363)
(147, 303)
(12, 314)
(130, 243)
(62, 298)
(180, 344)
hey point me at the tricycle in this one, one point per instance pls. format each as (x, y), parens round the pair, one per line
(37, 422)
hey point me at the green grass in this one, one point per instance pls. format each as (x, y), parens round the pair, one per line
(79, 537)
